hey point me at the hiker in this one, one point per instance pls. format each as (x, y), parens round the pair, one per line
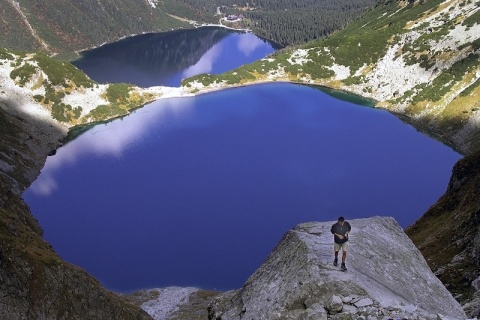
(340, 231)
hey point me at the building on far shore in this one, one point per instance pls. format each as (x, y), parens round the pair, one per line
(234, 17)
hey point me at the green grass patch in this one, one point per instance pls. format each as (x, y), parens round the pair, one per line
(473, 19)
(468, 91)
(24, 73)
(442, 84)
(104, 112)
(118, 92)
(62, 73)
(5, 55)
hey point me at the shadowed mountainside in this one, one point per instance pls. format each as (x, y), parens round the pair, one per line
(35, 283)
(448, 234)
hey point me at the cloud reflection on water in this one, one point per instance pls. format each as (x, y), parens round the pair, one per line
(248, 44)
(205, 64)
(99, 141)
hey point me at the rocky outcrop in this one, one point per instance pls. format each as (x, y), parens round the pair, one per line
(387, 276)
(26, 142)
(174, 303)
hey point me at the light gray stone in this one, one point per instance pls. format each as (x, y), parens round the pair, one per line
(343, 316)
(334, 304)
(476, 284)
(294, 315)
(315, 312)
(348, 308)
(363, 303)
(444, 317)
(409, 308)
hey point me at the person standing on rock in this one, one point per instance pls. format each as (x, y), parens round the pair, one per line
(340, 231)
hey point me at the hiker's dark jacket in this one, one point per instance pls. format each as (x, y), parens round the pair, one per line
(342, 230)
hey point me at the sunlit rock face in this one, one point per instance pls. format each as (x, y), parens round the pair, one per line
(386, 275)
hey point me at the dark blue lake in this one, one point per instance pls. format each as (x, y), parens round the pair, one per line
(166, 58)
(198, 191)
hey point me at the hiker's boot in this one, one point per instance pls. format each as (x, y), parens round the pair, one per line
(343, 267)
(335, 262)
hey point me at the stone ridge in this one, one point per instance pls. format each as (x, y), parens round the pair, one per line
(385, 272)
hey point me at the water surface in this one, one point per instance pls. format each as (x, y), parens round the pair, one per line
(167, 58)
(197, 191)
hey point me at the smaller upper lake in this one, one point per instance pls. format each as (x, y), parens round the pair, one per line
(166, 58)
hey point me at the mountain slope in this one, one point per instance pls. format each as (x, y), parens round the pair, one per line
(282, 21)
(417, 59)
(64, 26)
(35, 283)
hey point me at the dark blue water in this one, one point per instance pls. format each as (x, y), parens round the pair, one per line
(167, 58)
(198, 191)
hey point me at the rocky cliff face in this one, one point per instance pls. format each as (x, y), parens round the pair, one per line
(449, 237)
(387, 276)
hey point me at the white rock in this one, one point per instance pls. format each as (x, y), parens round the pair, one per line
(334, 304)
(168, 300)
(363, 303)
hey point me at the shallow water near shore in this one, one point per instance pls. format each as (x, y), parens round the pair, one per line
(198, 191)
